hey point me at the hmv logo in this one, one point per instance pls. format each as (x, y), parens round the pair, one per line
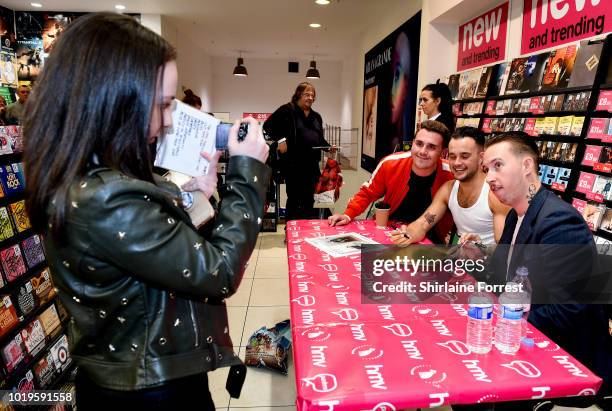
(441, 328)
(303, 286)
(327, 405)
(375, 376)
(357, 331)
(317, 353)
(357, 266)
(477, 372)
(333, 277)
(568, 365)
(411, 349)
(385, 311)
(300, 266)
(342, 298)
(459, 309)
(326, 257)
(297, 248)
(308, 316)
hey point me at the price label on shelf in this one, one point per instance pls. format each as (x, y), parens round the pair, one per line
(595, 197)
(606, 138)
(603, 167)
(558, 187)
(579, 205)
(585, 182)
(591, 155)
(604, 102)
(597, 128)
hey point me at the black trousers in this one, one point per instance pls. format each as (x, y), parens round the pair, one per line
(300, 187)
(188, 393)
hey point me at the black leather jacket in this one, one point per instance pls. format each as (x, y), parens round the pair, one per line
(145, 292)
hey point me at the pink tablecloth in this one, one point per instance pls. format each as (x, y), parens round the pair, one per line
(355, 356)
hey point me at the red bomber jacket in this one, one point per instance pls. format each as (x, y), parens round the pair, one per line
(390, 179)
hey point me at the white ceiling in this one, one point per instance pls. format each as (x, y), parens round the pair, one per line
(258, 28)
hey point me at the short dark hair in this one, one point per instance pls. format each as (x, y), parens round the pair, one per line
(191, 98)
(471, 132)
(299, 90)
(437, 127)
(85, 108)
(521, 143)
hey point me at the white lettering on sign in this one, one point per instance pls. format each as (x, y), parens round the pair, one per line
(327, 405)
(570, 366)
(557, 9)
(375, 376)
(357, 331)
(342, 298)
(385, 311)
(489, 25)
(303, 286)
(439, 397)
(477, 372)
(329, 267)
(441, 328)
(308, 316)
(297, 248)
(541, 392)
(317, 353)
(300, 266)
(357, 266)
(326, 257)
(412, 350)
(333, 277)
(459, 309)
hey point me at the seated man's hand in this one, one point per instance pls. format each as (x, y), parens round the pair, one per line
(338, 219)
(401, 236)
(469, 237)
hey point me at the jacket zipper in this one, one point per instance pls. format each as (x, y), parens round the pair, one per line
(193, 321)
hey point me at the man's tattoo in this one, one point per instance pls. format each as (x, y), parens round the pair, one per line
(532, 193)
(430, 218)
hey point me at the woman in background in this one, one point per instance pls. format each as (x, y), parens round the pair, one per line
(191, 99)
(437, 104)
(144, 290)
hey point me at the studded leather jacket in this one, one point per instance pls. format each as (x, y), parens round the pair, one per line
(145, 292)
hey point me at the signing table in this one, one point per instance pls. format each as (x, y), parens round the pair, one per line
(355, 356)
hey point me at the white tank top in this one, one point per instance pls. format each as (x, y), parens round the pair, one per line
(476, 219)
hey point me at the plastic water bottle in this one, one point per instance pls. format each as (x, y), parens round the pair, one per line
(509, 323)
(522, 278)
(480, 324)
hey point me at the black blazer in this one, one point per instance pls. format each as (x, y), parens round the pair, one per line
(448, 120)
(556, 273)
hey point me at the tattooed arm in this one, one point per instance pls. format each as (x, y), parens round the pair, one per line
(417, 230)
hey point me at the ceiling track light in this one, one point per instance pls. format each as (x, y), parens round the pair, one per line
(240, 70)
(322, 2)
(312, 72)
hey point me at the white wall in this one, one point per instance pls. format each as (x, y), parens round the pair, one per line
(269, 85)
(152, 21)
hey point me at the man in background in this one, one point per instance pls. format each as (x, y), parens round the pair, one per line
(14, 111)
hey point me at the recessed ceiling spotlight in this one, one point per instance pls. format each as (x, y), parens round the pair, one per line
(119, 6)
(315, 25)
(322, 2)
(38, 5)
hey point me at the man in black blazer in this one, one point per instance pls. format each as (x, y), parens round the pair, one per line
(550, 238)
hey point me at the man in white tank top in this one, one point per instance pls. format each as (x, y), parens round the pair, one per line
(478, 214)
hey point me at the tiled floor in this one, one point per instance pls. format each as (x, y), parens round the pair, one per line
(262, 300)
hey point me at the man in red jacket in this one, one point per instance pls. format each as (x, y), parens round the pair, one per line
(407, 180)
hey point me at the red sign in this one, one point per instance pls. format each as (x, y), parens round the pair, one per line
(534, 106)
(551, 23)
(603, 167)
(595, 197)
(558, 187)
(482, 40)
(530, 127)
(597, 128)
(579, 205)
(591, 155)
(585, 182)
(261, 117)
(604, 102)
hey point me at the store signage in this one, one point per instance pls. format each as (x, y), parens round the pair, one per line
(261, 117)
(551, 23)
(604, 102)
(482, 40)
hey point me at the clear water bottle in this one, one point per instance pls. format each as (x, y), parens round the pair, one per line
(479, 337)
(509, 322)
(522, 278)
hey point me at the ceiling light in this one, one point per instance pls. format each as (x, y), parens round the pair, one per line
(322, 2)
(315, 25)
(312, 72)
(119, 6)
(240, 70)
(38, 5)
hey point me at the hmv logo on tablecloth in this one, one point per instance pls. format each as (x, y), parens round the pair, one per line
(428, 374)
(375, 376)
(326, 257)
(333, 277)
(357, 331)
(547, 345)
(425, 311)
(305, 300)
(327, 405)
(299, 257)
(317, 354)
(367, 352)
(347, 314)
(488, 398)
(476, 371)
(456, 347)
(322, 382)
(459, 309)
(586, 392)
(439, 397)
(329, 267)
(300, 267)
(412, 350)
(357, 266)
(384, 406)
(304, 286)
(316, 334)
(564, 360)
(339, 287)
(524, 368)
(385, 312)
(342, 298)
(308, 317)
(441, 327)
(540, 392)
(401, 330)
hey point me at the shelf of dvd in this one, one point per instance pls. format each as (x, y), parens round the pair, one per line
(33, 344)
(563, 99)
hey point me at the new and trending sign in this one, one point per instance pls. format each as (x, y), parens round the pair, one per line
(482, 40)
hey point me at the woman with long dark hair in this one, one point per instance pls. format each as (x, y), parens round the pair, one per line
(437, 104)
(144, 291)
